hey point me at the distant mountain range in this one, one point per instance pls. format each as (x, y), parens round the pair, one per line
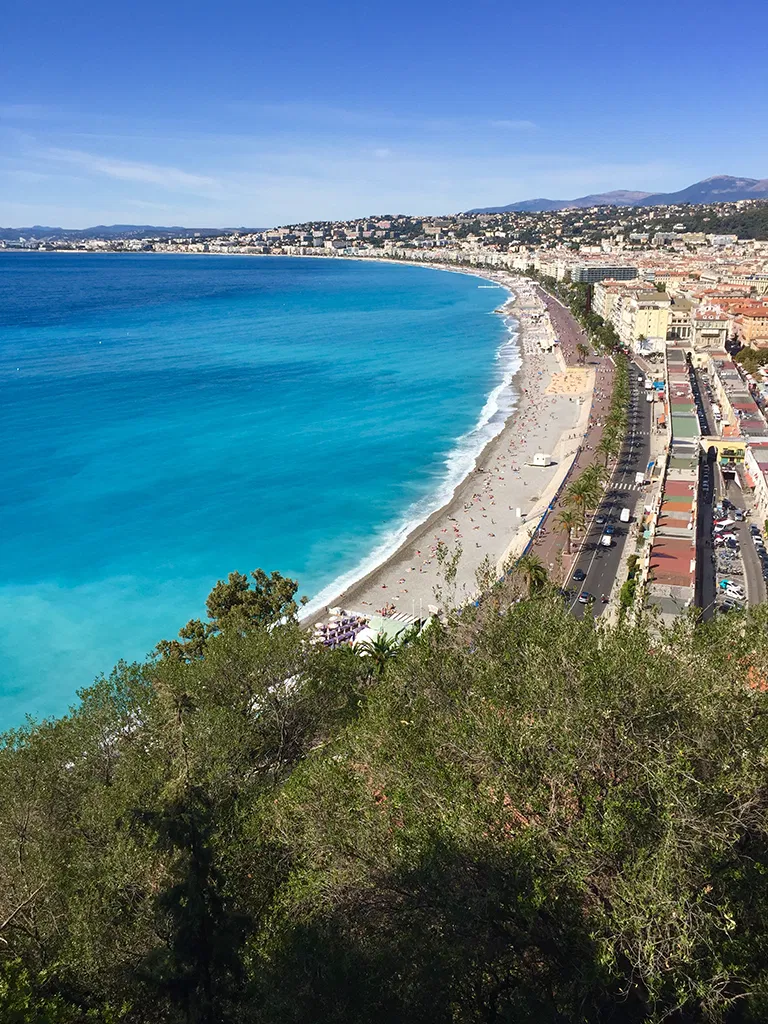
(105, 231)
(721, 188)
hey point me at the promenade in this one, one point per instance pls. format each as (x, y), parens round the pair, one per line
(550, 543)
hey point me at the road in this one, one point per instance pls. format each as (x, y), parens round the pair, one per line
(601, 564)
(706, 582)
(549, 543)
(748, 568)
(753, 570)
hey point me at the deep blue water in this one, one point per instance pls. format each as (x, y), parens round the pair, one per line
(167, 419)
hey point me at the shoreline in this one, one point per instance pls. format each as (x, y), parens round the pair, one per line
(537, 421)
(542, 419)
(391, 547)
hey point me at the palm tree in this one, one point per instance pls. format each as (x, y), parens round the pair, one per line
(582, 351)
(566, 523)
(591, 489)
(381, 650)
(532, 570)
(606, 446)
(597, 472)
(576, 496)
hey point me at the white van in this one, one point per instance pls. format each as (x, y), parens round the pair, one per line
(605, 540)
(624, 515)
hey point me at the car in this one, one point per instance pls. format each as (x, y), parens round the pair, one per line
(585, 597)
(754, 529)
(738, 515)
(600, 520)
(610, 529)
(606, 540)
(579, 575)
(729, 584)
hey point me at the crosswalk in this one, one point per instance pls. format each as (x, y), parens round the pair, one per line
(621, 485)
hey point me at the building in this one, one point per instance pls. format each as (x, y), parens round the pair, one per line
(756, 469)
(643, 319)
(752, 327)
(679, 326)
(741, 416)
(671, 557)
(710, 327)
(592, 273)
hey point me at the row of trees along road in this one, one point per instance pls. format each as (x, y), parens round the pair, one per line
(517, 816)
(577, 297)
(586, 490)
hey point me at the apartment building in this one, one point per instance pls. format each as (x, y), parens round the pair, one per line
(751, 327)
(710, 328)
(643, 319)
(741, 416)
(592, 273)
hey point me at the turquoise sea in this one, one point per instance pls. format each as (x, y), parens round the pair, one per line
(167, 419)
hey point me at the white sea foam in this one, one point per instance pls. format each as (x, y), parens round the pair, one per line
(459, 463)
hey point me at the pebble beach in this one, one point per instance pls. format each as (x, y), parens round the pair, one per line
(493, 510)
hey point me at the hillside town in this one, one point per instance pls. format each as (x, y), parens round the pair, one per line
(659, 274)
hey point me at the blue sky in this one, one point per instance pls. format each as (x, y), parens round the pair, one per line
(259, 113)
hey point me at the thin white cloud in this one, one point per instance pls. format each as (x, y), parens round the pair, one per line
(514, 125)
(171, 178)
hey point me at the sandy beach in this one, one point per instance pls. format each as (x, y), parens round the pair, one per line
(493, 511)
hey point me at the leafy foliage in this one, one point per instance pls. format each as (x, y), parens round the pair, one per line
(521, 817)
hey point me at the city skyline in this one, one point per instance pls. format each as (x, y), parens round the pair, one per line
(182, 117)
